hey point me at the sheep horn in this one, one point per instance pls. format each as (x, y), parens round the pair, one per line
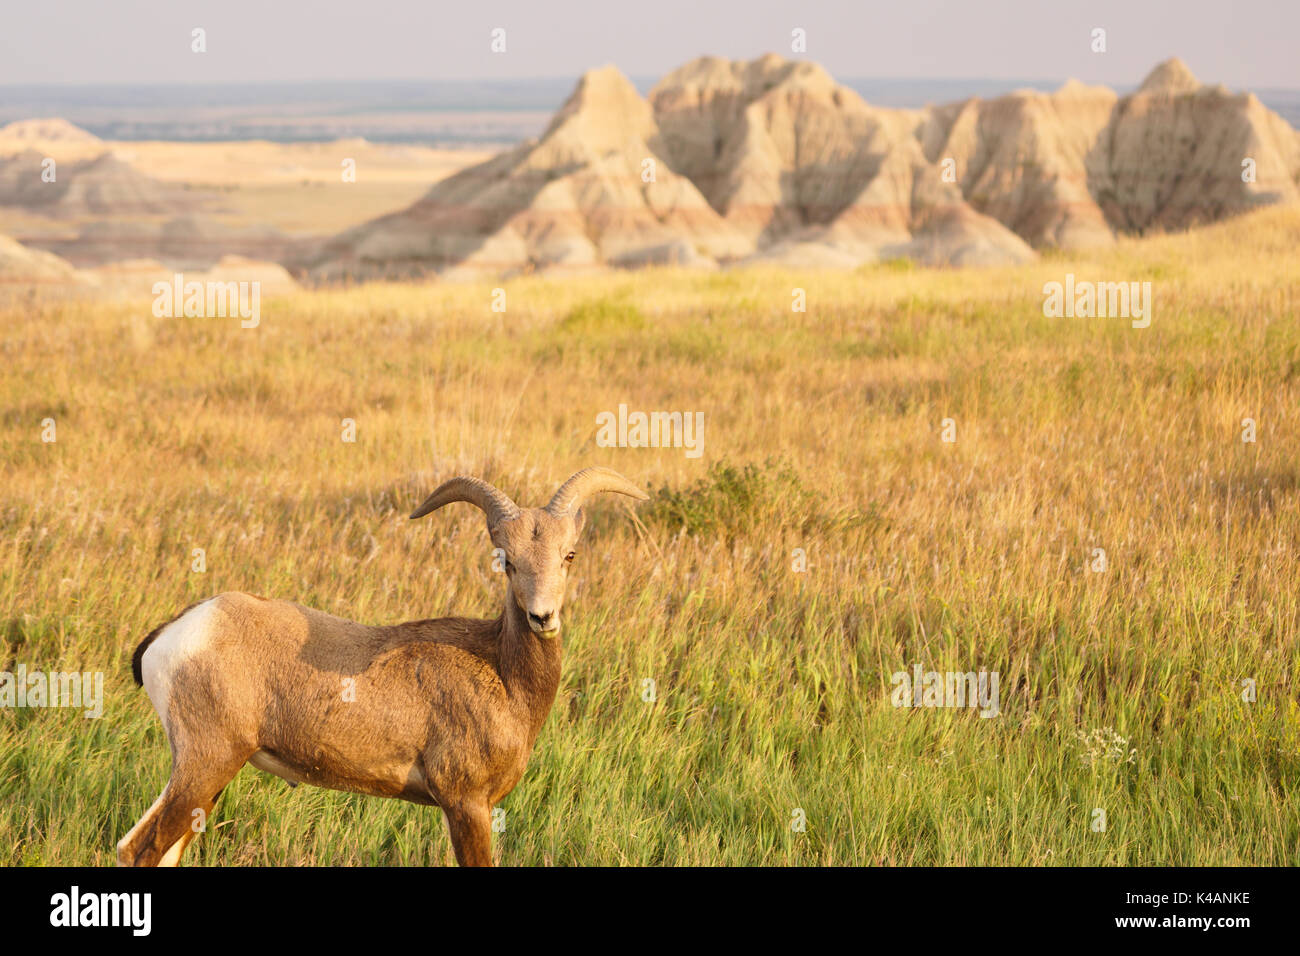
(591, 481)
(494, 503)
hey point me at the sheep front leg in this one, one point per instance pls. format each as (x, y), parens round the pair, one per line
(470, 824)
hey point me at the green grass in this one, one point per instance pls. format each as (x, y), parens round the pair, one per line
(772, 685)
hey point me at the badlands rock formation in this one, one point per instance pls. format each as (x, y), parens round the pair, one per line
(811, 173)
(118, 212)
(100, 186)
(576, 198)
(132, 276)
(770, 160)
(1172, 155)
(1022, 159)
(180, 242)
(39, 132)
(1072, 168)
(21, 265)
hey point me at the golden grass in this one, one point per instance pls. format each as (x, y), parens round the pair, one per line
(773, 687)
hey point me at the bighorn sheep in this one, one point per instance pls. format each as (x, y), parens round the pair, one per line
(440, 712)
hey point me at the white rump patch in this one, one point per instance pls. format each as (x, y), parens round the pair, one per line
(179, 641)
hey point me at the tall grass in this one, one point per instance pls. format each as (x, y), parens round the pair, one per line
(1121, 690)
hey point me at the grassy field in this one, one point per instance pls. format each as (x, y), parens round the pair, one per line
(1120, 690)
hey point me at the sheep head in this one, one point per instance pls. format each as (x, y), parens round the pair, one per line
(539, 544)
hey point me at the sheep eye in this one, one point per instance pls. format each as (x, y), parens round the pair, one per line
(570, 556)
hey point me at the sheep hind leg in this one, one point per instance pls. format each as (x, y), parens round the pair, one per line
(168, 827)
(173, 855)
(129, 846)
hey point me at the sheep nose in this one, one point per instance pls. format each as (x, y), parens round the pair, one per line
(541, 622)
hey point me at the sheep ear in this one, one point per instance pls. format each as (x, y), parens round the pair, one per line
(580, 520)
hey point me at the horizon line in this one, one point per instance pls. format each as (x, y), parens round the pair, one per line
(565, 77)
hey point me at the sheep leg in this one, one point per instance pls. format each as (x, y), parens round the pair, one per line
(470, 824)
(167, 828)
(130, 845)
(173, 855)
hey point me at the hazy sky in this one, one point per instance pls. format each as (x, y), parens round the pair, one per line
(1243, 44)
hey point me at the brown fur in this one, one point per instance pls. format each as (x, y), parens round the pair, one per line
(439, 712)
